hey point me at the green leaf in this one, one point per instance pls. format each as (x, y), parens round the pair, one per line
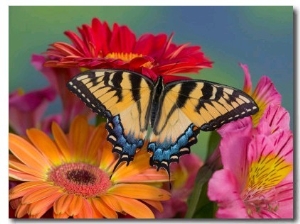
(198, 202)
(213, 143)
(195, 199)
(205, 207)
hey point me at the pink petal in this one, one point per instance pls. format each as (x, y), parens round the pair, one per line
(242, 127)
(233, 150)
(275, 117)
(266, 92)
(285, 198)
(31, 100)
(279, 144)
(223, 189)
(247, 81)
(26, 111)
(58, 77)
(283, 144)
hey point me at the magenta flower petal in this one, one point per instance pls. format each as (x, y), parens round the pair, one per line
(26, 110)
(247, 81)
(274, 118)
(241, 127)
(224, 189)
(234, 155)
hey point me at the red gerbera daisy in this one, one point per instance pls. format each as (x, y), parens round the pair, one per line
(102, 47)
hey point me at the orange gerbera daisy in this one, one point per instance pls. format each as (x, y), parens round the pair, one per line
(73, 175)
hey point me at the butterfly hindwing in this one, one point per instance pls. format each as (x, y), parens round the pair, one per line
(124, 99)
(186, 107)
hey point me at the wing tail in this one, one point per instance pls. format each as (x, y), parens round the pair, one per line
(163, 153)
(124, 145)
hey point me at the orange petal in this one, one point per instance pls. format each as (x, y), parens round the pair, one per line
(111, 202)
(26, 188)
(23, 169)
(40, 194)
(140, 191)
(38, 209)
(19, 175)
(106, 211)
(43, 143)
(21, 210)
(148, 176)
(135, 208)
(75, 205)
(28, 154)
(96, 214)
(61, 141)
(96, 139)
(155, 204)
(107, 157)
(96, 143)
(138, 165)
(86, 211)
(78, 135)
(62, 204)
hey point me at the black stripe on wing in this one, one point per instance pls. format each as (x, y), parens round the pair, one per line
(217, 104)
(78, 85)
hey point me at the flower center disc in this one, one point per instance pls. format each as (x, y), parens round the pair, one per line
(123, 56)
(81, 179)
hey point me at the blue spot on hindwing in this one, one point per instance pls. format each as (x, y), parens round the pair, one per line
(124, 145)
(166, 152)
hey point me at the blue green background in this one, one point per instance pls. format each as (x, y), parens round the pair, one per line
(261, 37)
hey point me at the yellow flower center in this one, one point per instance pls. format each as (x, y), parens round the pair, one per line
(127, 57)
(264, 175)
(123, 56)
(80, 179)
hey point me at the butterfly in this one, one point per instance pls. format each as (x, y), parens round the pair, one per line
(169, 115)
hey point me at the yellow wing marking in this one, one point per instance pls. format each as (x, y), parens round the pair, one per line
(170, 128)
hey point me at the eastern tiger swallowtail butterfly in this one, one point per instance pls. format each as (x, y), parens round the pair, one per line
(175, 112)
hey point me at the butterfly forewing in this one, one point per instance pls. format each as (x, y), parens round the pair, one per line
(209, 105)
(124, 98)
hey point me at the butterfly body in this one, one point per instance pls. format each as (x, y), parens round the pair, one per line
(175, 112)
